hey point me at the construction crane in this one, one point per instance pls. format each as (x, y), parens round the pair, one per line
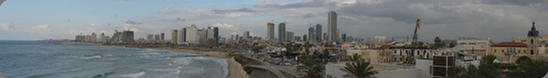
(415, 42)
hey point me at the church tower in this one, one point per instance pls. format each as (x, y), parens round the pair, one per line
(533, 40)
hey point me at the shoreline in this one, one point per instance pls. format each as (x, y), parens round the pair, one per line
(235, 69)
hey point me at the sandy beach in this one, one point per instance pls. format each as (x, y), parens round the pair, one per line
(235, 69)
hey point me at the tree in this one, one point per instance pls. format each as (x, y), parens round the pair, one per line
(527, 69)
(486, 69)
(438, 43)
(314, 68)
(354, 57)
(360, 69)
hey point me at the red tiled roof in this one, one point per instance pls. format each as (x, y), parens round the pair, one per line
(510, 44)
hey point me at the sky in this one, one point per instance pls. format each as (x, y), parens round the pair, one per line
(499, 20)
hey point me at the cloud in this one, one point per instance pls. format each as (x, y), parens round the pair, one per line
(220, 11)
(4, 27)
(127, 0)
(42, 28)
(168, 11)
(1, 1)
(132, 22)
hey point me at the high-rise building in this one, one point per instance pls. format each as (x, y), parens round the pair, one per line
(333, 35)
(343, 37)
(127, 37)
(246, 35)
(150, 37)
(102, 37)
(289, 36)
(181, 36)
(270, 31)
(318, 32)
(93, 37)
(192, 35)
(281, 32)
(157, 37)
(162, 36)
(174, 36)
(216, 34)
(202, 34)
(311, 34)
(305, 37)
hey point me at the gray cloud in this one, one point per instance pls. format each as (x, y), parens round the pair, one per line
(221, 11)
(1, 1)
(132, 22)
(514, 2)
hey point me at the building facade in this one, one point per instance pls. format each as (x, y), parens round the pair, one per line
(333, 35)
(270, 31)
(281, 32)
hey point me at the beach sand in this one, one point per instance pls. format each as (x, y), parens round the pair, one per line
(235, 69)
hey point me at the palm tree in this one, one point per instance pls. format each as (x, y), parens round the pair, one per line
(360, 69)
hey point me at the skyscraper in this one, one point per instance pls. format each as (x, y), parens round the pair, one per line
(318, 32)
(281, 32)
(181, 36)
(333, 36)
(216, 34)
(127, 37)
(162, 36)
(246, 36)
(270, 31)
(174, 36)
(192, 34)
(311, 34)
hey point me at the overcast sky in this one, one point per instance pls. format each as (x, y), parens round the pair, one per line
(499, 20)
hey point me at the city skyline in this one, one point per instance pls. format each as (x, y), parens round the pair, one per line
(496, 19)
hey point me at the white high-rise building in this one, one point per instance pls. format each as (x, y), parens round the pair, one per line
(192, 34)
(333, 35)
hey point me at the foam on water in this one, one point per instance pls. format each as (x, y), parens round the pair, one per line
(134, 75)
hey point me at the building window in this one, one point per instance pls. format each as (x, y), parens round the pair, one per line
(532, 41)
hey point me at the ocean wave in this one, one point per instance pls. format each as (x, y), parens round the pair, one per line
(134, 75)
(92, 57)
(182, 61)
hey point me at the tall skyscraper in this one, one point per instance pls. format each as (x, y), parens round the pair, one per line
(216, 34)
(181, 36)
(270, 31)
(150, 37)
(318, 32)
(174, 36)
(281, 32)
(333, 35)
(311, 34)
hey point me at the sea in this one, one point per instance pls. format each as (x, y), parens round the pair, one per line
(43, 59)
